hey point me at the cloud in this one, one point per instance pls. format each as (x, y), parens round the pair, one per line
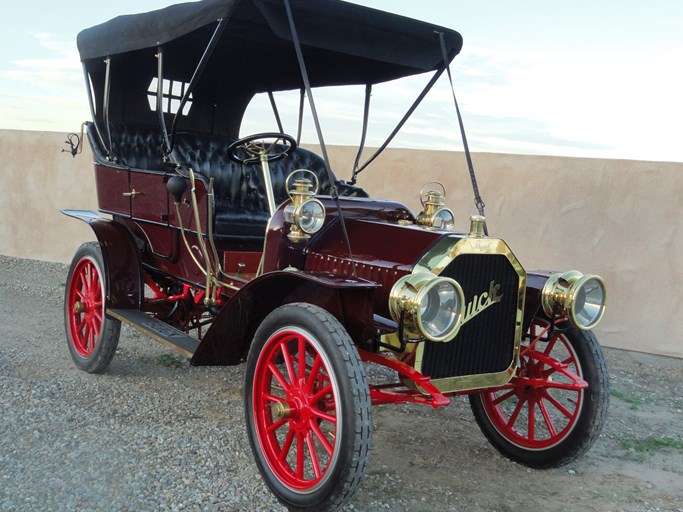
(611, 105)
(45, 93)
(501, 113)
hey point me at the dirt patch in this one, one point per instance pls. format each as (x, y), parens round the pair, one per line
(636, 465)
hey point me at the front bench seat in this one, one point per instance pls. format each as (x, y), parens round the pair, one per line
(241, 210)
(241, 206)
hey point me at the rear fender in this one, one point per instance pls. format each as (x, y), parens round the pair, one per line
(228, 339)
(121, 259)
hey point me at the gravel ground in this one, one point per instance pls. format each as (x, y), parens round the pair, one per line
(154, 433)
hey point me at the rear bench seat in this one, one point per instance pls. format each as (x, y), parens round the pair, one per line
(241, 205)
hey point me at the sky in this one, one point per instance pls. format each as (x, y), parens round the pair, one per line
(586, 78)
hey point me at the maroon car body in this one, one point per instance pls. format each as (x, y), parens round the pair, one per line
(225, 250)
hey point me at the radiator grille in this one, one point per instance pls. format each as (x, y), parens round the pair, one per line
(485, 344)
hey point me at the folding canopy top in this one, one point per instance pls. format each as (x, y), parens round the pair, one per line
(343, 43)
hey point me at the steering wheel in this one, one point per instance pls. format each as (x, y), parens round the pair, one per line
(261, 147)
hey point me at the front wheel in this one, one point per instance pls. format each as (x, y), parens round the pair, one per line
(307, 406)
(92, 337)
(555, 407)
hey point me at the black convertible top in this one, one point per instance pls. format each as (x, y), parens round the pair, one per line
(385, 45)
(342, 43)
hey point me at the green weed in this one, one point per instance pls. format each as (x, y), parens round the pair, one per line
(170, 360)
(651, 443)
(633, 400)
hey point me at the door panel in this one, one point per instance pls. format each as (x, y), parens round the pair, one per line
(112, 183)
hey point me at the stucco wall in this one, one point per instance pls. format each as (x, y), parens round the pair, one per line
(620, 219)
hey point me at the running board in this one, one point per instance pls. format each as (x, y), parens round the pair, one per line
(155, 328)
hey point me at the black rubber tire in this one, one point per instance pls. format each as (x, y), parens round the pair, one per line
(97, 360)
(588, 425)
(344, 474)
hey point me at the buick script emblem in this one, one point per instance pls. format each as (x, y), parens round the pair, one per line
(480, 302)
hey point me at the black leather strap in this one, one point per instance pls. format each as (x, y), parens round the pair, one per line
(307, 84)
(302, 96)
(366, 116)
(400, 124)
(479, 203)
(276, 113)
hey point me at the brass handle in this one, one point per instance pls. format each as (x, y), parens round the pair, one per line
(132, 193)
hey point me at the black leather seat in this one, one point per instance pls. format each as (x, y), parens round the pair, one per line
(138, 146)
(241, 205)
(241, 200)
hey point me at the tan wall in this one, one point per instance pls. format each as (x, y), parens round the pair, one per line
(620, 219)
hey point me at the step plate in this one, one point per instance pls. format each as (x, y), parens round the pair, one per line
(155, 328)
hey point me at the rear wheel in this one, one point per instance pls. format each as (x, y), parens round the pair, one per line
(555, 407)
(91, 336)
(307, 406)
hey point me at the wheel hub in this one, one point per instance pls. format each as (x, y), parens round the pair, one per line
(79, 307)
(299, 405)
(281, 410)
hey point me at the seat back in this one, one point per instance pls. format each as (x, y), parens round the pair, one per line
(138, 146)
(241, 204)
(241, 186)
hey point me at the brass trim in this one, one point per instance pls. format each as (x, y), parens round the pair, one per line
(438, 258)
(132, 193)
(268, 183)
(469, 382)
(433, 203)
(436, 261)
(301, 187)
(405, 300)
(477, 224)
(301, 195)
(281, 410)
(209, 271)
(392, 339)
(560, 292)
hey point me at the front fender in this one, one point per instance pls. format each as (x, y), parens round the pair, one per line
(535, 281)
(228, 339)
(121, 259)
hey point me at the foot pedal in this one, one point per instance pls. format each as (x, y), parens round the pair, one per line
(155, 328)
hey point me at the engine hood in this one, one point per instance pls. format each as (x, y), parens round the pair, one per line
(385, 246)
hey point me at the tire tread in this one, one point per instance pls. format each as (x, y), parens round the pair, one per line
(352, 475)
(108, 342)
(579, 441)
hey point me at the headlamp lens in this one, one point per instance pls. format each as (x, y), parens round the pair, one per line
(440, 309)
(443, 219)
(589, 303)
(311, 216)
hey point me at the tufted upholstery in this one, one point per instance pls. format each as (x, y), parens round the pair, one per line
(241, 201)
(138, 146)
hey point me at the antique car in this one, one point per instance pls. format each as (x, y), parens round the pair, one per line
(249, 249)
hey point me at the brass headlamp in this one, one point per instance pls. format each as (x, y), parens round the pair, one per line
(305, 214)
(435, 214)
(428, 306)
(582, 298)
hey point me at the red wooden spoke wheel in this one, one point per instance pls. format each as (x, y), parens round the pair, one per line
(92, 337)
(296, 409)
(85, 306)
(308, 408)
(554, 408)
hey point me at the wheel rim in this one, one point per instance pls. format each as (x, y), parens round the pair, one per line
(296, 411)
(541, 405)
(85, 306)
